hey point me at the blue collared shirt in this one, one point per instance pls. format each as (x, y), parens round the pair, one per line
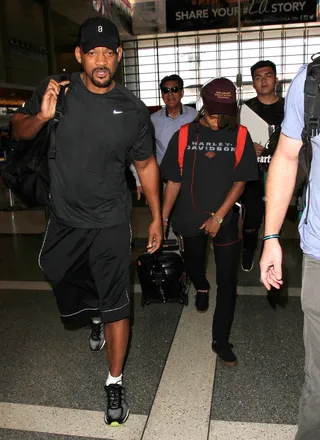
(165, 126)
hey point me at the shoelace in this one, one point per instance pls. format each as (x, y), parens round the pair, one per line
(114, 393)
(96, 330)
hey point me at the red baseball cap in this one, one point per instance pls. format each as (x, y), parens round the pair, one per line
(219, 97)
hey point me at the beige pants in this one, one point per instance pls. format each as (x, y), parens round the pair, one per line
(309, 416)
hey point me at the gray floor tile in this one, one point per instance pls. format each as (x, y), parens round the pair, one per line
(46, 365)
(265, 386)
(292, 261)
(12, 434)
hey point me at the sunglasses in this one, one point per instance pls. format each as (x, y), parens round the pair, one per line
(174, 89)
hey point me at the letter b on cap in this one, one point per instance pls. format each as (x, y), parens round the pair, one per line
(100, 29)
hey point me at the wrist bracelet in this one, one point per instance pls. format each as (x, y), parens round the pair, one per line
(217, 219)
(268, 237)
(165, 220)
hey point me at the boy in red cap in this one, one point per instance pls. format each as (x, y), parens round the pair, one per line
(204, 184)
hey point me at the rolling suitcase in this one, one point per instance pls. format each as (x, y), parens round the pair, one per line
(162, 277)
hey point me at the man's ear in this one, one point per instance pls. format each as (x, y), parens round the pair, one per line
(77, 54)
(182, 93)
(119, 53)
(277, 80)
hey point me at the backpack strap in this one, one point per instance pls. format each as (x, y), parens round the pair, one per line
(60, 110)
(311, 113)
(241, 141)
(182, 144)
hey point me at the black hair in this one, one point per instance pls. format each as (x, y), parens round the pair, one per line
(261, 64)
(228, 122)
(173, 77)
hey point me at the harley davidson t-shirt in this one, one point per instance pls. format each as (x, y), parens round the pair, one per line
(208, 174)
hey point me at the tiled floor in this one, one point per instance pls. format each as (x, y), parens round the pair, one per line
(51, 385)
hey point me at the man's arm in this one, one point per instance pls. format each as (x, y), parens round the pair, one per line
(280, 185)
(148, 172)
(28, 126)
(212, 225)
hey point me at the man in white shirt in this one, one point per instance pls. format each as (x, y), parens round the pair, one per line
(169, 119)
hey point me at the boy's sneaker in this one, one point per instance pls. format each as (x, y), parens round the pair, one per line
(225, 354)
(202, 301)
(96, 339)
(117, 408)
(247, 262)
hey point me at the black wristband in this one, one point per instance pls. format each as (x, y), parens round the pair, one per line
(268, 237)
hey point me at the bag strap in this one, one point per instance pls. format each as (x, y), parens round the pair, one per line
(311, 113)
(182, 144)
(60, 110)
(241, 141)
(183, 140)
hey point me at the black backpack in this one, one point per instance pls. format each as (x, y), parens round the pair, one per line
(27, 172)
(311, 124)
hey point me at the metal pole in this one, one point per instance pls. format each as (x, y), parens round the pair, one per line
(239, 75)
(12, 206)
(49, 33)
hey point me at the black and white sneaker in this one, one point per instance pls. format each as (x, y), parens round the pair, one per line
(96, 339)
(117, 409)
(247, 262)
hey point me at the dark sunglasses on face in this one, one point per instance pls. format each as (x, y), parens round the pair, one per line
(174, 89)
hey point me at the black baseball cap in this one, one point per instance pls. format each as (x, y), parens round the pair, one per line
(98, 32)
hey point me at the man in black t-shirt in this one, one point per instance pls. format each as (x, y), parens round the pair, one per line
(204, 196)
(86, 250)
(270, 107)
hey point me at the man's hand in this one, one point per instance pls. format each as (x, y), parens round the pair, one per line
(155, 236)
(139, 192)
(211, 227)
(49, 100)
(259, 149)
(270, 264)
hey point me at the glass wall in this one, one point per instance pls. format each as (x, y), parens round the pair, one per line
(200, 57)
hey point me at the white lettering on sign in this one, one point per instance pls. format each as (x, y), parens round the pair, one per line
(264, 7)
(100, 29)
(192, 15)
(288, 7)
(223, 12)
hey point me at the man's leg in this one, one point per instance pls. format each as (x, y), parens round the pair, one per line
(109, 262)
(194, 256)
(117, 336)
(309, 416)
(253, 202)
(227, 254)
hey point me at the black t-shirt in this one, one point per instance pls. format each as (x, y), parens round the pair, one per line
(94, 138)
(208, 174)
(273, 114)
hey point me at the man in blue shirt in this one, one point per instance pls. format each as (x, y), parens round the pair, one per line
(169, 119)
(280, 186)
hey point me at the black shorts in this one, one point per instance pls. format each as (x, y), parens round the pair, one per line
(253, 201)
(89, 271)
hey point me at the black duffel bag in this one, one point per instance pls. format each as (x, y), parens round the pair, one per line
(27, 172)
